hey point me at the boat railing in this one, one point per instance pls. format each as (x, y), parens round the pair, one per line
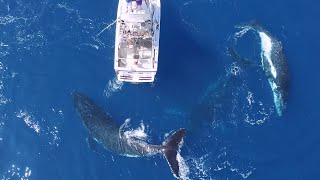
(141, 59)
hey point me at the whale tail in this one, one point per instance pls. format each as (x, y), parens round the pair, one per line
(171, 147)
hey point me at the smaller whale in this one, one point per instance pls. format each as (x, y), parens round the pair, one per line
(111, 136)
(274, 64)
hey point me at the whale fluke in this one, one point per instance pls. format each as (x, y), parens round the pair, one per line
(172, 145)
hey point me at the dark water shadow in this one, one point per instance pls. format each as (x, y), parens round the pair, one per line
(183, 61)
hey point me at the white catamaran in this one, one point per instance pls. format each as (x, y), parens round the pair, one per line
(137, 40)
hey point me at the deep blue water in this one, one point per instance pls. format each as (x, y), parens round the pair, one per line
(50, 48)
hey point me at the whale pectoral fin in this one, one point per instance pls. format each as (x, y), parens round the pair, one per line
(231, 52)
(92, 144)
(237, 58)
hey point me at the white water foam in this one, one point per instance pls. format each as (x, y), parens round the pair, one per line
(261, 115)
(183, 168)
(19, 30)
(54, 133)
(113, 86)
(89, 33)
(1, 127)
(185, 19)
(8, 19)
(3, 99)
(4, 49)
(133, 134)
(212, 166)
(243, 30)
(16, 172)
(250, 98)
(234, 69)
(202, 171)
(40, 127)
(226, 165)
(138, 133)
(29, 37)
(29, 120)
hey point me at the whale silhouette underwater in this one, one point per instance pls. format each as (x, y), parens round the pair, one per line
(216, 102)
(104, 130)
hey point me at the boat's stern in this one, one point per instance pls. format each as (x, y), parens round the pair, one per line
(135, 77)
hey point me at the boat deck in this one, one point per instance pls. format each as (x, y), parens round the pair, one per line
(135, 46)
(137, 38)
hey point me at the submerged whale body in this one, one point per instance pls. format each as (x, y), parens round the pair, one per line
(110, 135)
(274, 64)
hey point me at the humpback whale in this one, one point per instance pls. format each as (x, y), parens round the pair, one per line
(274, 64)
(110, 135)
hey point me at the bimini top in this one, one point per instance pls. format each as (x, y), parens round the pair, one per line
(137, 40)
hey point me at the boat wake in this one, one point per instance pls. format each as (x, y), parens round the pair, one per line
(113, 86)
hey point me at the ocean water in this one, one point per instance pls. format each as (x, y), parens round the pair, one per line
(50, 48)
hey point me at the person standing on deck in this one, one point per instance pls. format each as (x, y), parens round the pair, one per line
(129, 5)
(139, 3)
